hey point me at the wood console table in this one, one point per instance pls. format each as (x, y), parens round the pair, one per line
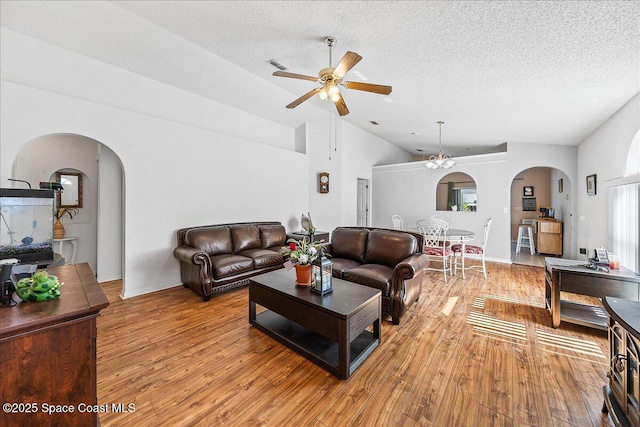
(48, 353)
(565, 275)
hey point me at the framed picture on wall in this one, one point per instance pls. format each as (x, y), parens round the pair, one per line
(529, 204)
(527, 191)
(560, 186)
(591, 185)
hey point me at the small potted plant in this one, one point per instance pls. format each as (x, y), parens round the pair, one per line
(58, 228)
(453, 207)
(302, 253)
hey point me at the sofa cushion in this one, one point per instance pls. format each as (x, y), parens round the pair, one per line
(372, 275)
(263, 257)
(212, 240)
(340, 265)
(228, 265)
(389, 248)
(272, 235)
(246, 236)
(349, 243)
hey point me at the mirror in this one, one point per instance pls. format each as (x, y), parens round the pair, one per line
(71, 197)
(456, 192)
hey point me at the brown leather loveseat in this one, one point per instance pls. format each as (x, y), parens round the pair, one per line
(389, 260)
(217, 258)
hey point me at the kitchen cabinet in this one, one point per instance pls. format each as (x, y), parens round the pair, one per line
(549, 237)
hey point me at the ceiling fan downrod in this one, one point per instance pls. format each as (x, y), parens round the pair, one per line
(330, 41)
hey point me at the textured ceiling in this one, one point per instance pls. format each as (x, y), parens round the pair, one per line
(530, 72)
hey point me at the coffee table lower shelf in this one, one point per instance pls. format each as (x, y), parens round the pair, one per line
(582, 314)
(315, 347)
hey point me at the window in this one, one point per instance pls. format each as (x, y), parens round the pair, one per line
(625, 224)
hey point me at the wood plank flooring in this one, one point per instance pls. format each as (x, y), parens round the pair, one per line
(471, 352)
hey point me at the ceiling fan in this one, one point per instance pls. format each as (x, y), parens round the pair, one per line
(330, 78)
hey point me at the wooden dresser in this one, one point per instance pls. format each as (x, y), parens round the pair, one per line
(549, 237)
(48, 352)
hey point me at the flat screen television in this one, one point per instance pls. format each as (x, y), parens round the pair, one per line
(26, 225)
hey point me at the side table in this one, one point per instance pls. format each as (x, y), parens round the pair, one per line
(74, 251)
(317, 236)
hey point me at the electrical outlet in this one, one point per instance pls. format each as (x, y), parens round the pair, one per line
(583, 251)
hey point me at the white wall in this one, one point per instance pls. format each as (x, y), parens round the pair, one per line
(604, 153)
(177, 173)
(363, 151)
(347, 153)
(409, 190)
(562, 203)
(185, 160)
(38, 161)
(110, 222)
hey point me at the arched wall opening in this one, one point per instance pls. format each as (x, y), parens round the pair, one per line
(99, 225)
(457, 191)
(548, 188)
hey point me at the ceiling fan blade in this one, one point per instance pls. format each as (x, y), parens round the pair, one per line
(303, 98)
(368, 87)
(341, 106)
(295, 76)
(346, 63)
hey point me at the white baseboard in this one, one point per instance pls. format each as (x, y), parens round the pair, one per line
(147, 290)
(109, 277)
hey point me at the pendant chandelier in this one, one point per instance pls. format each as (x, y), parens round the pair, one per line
(441, 161)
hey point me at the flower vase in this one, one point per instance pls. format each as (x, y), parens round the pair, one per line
(58, 229)
(303, 275)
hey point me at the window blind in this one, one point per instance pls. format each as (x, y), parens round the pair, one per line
(624, 220)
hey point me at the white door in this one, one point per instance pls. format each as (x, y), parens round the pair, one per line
(363, 202)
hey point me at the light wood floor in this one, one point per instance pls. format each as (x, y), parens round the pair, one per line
(492, 360)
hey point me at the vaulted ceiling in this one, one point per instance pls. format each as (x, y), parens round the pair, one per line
(518, 71)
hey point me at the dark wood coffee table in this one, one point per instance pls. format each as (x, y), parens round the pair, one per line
(330, 330)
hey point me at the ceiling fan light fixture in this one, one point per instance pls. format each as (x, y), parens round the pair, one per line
(333, 90)
(322, 94)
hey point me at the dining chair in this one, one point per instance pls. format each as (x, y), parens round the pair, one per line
(398, 222)
(474, 251)
(435, 239)
(444, 217)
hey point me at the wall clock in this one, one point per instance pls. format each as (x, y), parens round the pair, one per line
(323, 182)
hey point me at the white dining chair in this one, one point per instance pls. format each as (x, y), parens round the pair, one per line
(444, 217)
(472, 252)
(398, 222)
(435, 245)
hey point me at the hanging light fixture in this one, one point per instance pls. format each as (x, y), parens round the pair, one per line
(441, 161)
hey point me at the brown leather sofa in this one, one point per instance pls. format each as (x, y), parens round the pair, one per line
(217, 258)
(389, 260)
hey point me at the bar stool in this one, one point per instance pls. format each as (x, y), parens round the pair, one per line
(525, 238)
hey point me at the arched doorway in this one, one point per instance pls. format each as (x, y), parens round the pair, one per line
(536, 192)
(99, 225)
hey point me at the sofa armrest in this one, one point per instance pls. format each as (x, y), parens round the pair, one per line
(408, 267)
(195, 269)
(192, 255)
(406, 284)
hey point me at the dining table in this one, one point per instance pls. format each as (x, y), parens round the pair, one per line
(455, 236)
(458, 235)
